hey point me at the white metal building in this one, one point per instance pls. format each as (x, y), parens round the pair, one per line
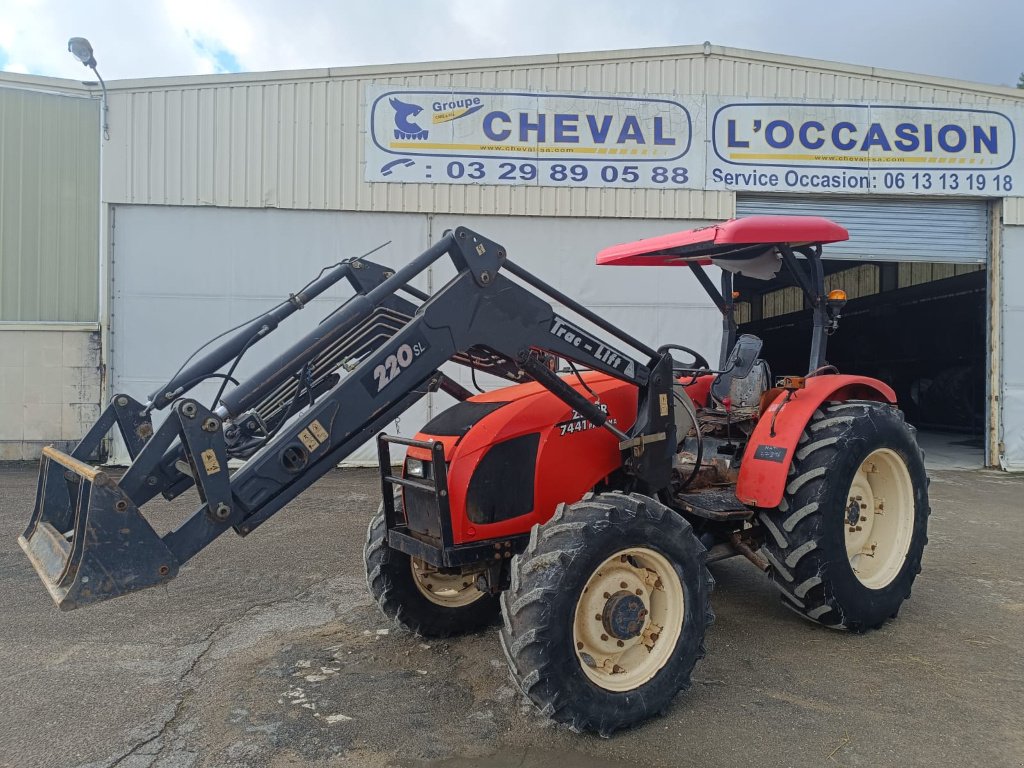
(220, 194)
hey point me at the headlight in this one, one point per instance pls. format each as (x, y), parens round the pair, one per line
(415, 468)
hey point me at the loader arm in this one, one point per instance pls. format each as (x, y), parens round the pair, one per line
(334, 389)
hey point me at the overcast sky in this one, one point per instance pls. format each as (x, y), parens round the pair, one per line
(977, 40)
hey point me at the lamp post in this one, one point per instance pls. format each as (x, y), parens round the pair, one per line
(81, 49)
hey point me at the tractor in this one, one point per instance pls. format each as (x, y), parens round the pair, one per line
(578, 507)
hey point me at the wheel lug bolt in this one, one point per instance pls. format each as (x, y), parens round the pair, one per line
(579, 646)
(623, 585)
(597, 617)
(604, 637)
(619, 643)
(639, 591)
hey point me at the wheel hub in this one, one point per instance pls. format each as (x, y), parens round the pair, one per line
(878, 520)
(628, 618)
(623, 616)
(853, 512)
(448, 590)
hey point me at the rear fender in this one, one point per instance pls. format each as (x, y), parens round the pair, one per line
(769, 453)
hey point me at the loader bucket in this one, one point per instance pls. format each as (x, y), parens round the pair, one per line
(86, 539)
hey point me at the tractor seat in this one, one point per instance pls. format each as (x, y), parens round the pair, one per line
(745, 377)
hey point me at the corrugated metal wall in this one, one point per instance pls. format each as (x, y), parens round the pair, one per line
(49, 206)
(295, 140)
(889, 229)
(299, 144)
(1013, 210)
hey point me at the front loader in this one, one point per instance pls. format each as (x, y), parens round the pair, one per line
(583, 504)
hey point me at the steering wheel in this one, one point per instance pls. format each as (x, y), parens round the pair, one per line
(698, 359)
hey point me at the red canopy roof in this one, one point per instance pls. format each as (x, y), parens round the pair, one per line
(734, 239)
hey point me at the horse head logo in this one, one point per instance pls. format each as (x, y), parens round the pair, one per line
(404, 127)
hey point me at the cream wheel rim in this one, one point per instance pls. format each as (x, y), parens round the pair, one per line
(450, 590)
(628, 619)
(878, 520)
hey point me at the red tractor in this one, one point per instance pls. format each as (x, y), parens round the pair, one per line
(583, 506)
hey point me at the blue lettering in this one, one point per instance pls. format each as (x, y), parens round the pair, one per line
(526, 127)
(805, 138)
(565, 129)
(876, 138)
(659, 133)
(838, 142)
(731, 140)
(907, 140)
(961, 136)
(599, 134)
(990, 141)
(787, 133)
(489, 120)
(631, 131)
(927, 137)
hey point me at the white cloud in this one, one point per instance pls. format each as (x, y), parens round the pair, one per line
(172, 37)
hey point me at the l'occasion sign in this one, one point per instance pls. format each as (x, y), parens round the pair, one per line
(833, 147)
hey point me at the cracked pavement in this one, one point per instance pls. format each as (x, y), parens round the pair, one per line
(267, 651)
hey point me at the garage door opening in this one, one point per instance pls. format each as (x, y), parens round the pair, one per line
(919, 325)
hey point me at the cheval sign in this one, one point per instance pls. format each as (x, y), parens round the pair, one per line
(553, 139)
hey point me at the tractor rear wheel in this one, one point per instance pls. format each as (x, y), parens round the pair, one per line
(607, 610)
(845, 544)
(417, 595)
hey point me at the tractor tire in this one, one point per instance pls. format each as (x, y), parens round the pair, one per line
(607, 610)
(418, 597)
(845, 544)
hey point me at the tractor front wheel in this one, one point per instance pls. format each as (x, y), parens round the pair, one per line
(418, 596)
(607, 610)
(846, 543)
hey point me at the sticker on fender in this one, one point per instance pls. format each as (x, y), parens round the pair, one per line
(394, 363)
(770, 453)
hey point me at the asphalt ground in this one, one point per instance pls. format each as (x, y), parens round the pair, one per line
(267, 651)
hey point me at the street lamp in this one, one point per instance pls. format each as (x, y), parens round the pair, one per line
(81, 49)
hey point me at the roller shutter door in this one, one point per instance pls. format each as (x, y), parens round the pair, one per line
(954, 231)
